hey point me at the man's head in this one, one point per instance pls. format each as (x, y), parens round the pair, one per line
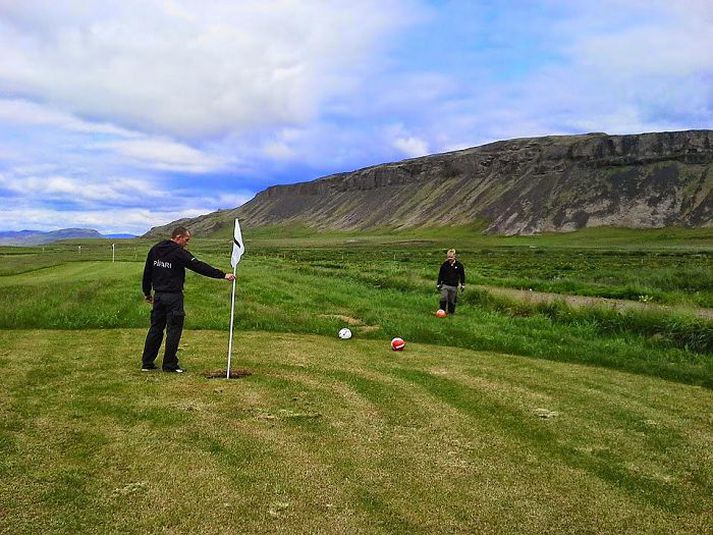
(181, 235)
(451, 255)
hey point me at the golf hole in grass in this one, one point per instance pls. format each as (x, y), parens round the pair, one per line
(234, 374)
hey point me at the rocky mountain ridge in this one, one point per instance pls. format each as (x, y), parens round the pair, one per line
(520, 186)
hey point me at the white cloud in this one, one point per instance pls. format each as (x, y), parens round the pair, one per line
(77, 190)
(187, 68)
(655, 38)
(227, 200)
(411, 146)
(243, 94)
(279, 150)
(611, 67)
(132, 220)
(165, 155)
(135, 218)
(405, 142)
(22, 112)
(129, 147)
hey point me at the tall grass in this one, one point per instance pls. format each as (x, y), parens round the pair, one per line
(670, 267)
(283, 294)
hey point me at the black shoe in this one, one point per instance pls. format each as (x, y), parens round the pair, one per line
(174, 370)
(148, 367)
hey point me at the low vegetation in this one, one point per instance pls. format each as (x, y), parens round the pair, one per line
(387, 289)
(511, 416)
(340, 437)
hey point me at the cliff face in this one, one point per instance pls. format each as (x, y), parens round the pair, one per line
(520, 186)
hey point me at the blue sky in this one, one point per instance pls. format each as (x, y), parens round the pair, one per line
(123, 116)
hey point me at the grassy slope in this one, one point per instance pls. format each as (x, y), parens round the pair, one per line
(341, 437)
(472, 236)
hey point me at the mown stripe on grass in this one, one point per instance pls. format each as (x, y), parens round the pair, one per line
(603, 465)
(423, 452)
(395, 405)
(383, 515)
(126, 413)
(237, 453)
(345, 453)
(298, 463)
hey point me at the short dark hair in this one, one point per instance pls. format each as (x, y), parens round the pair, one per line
(179, 231)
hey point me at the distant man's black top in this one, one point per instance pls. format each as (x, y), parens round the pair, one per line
(451, 275)
(165, 268)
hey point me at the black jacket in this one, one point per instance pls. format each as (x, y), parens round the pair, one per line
(451, 275)
(165, 268)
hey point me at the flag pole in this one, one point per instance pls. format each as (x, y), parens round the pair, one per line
(238, 250)
(232, 316)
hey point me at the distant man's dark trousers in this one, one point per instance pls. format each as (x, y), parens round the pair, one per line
(167, 313)
(449, 298)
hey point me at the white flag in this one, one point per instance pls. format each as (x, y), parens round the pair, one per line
(238, 246)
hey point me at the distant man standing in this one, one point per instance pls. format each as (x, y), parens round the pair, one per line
(165, 272)
(451, 277)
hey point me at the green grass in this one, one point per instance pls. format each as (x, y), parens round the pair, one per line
(340, 437)
(300, 297)
(670, 266)
(670, 238)
(349, 437)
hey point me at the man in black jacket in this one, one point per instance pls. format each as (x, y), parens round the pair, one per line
(165, 271)
(451, 278)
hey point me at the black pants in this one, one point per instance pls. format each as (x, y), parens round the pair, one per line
(167, 313)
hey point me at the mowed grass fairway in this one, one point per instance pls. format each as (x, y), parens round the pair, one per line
(509, 417)
(341, 437)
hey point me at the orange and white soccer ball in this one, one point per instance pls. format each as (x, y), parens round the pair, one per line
(440, 313)
(397, 344)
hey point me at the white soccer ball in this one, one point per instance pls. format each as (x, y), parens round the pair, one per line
(345, 334)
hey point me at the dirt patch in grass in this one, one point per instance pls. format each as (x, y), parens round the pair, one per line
(353, 322)
(346, 319)
(580, 301)
(369, 328)
(234, 374)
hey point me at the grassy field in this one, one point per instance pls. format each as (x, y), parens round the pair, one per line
(508, 417)
(341, 437)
